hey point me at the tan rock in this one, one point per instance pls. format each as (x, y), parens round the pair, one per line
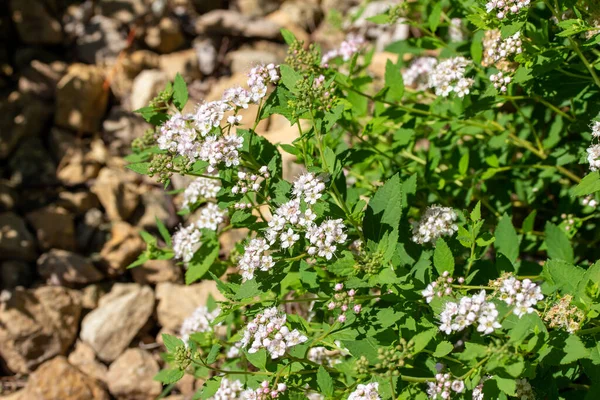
(305, 14)
(8, 196)
(119, 317)
(177, 302)
(153, 272)
(77, 202)
(91, 294)
(36, 325)
(233, 23)
(16, 242)
(81, 161)
(184, 62)
(81, 98)
(130, 376)
(64, 268)
(54, 227)
(59, 380)
(157, 204)
(130, 66)
(40, 79)
(122, 249)
(243, 60)
(84, 358)
(380, 59)
(117, 191)
(146, 86)
(124, 11)
(257, 8)
(165, 37)
(283, 20)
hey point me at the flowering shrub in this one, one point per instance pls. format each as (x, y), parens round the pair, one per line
(441, 241)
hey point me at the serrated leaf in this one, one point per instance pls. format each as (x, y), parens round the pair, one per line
(164, 232)
(574, 350)
(435, 17)
(140, 168)
(393, 81)
(167, 376)
(201, 261)
(180, 92)
(507, 241)
(443, 348)
(325, 382)
(558, 245)
(171, 342)
(289, 77)
(476, 213)
(288, 36)
(588, 185)
(563, 276)
(213, 353)
(258, 359)
(384, 210)
(443, 260)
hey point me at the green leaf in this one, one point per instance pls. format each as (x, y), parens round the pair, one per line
(422, 339)
(476, 213)
(588, 185)
(588, 288)
(288, 36)
(366, 347)
(152, 116)
(443, 348)
(171, 342)
(325, 382)
(210, 387)
(508, 386)
(558, 245)
(443, 260)
(140, 168)
(463, 164)
(258, 359)
(167, 376)
(574, 350)
(164, 232)
(289, 77)
(201, 261)
(507, 241)
(384, 210)
(213, 353)
(394, 82)
(436, 16)
(563, 276)
(180, 92)
(529, 222)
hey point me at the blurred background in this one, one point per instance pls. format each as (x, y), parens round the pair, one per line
(74, 323)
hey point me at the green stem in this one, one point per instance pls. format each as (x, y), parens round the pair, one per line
(588, 331)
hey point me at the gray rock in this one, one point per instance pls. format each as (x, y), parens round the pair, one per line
(243, 60)
(8, 196)
(65, 268)
(31, 165)
(36, 325)
(257, 8)
(120, 129)
(101, 41)
(16, 242)
(153, 272)
(15, 273)
(157, 204)
(130, 376)
(233, 23)
(120, 315)
(206, 51)
(306, 14)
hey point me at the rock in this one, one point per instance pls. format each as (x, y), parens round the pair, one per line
(306, 14)
(157, 204)
(77, 202)
(184, 62)
(100, 42)
(233, 23)
(383, 35)
(129, 67)
(257, 8)
(283, 20)
(64, 268)
(59, 380)
(90, 295)
(20, 117)
(79, 160)
(177, 302)
(91, 234)
(206, 51)
(122, 249)
(54, 227)
(40, 79)
(120, 128)
(157, 271)
(35, 23)
(84, 358)
(15, 273)
(130, 376)
(124, 11)
(204, 6)
(117, 191)
(8, 196)
(31, 165)
(16, 242)
(243, 60)
(146, 86)
(81, 98)
(120, 315)
(379, 61)
(165, 37)
(36, 325)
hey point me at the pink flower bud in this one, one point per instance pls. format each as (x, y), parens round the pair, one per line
(331, 306)
(342, 318)
(338, 287)
(357, 308)
(344, 307)
(351, 292)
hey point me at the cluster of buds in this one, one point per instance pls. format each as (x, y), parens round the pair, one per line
(449, 76)
(470, 310)
(417, 74)
(321, 355)
(369, 391)
(264, 392)
(242, 205)
(590, 201)
(347, 49)
(301, 58)
(443, 387)
(497, 51)
(502, 8)
(344, 301)
(249, 182)
(500, 81)
(442, 286)
(524, 390)
(436, 222)
(228, 390)
(391, 359)
(564, 315)
(523, 295)
(568, 221)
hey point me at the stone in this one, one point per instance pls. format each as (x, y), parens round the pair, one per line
(64, 268)
(100, 42)
(81, 98)
(117, 191)
(177, 302)
(306, 14)
(92, 231)
(35, 23)
(31, 165)
(40, 79)
(233, 23)
(165, 37)
(79, 160)
(14, 274)
(120, 315)
(204, 6)
(243, 60)
(145, 87)
(58, 380)
(129, 67)
(153, 272)
(284, 20)
(54, 227)
(16, 242)
(77, 202)
(130, 376)
(120, 128)
(206, 51)
(184, 62)
(8, 196)
(157, 204)
(124, 11)
(379, 61)
(257, 8)
(84, 358)
(91, 294)
(122, 249)
(36, 325)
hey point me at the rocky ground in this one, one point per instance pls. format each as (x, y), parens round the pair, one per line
(74, 323)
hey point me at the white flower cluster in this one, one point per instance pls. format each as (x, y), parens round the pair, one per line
(456, 30)
(478, 390)
(343, 301)
(347, 49)
(248, 181)
(590, 201)
(199, 321)
(523, 295)
(594, 157)
(595, 129)
(192, 137)
(228, 390)
(309, 187)
(321, 355)
(323, 238)
(442, 387)
(263, 392)
(440, 287)
(417, 74)
(437, 221)
(524, 390)
(210, 217)
(449, 76)
(504, 7)
(366, 392)
(469, 310)
(500, 81)
(255, 257)
(200, 188)
(186, 241)
(497, 49)
(268, 331)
